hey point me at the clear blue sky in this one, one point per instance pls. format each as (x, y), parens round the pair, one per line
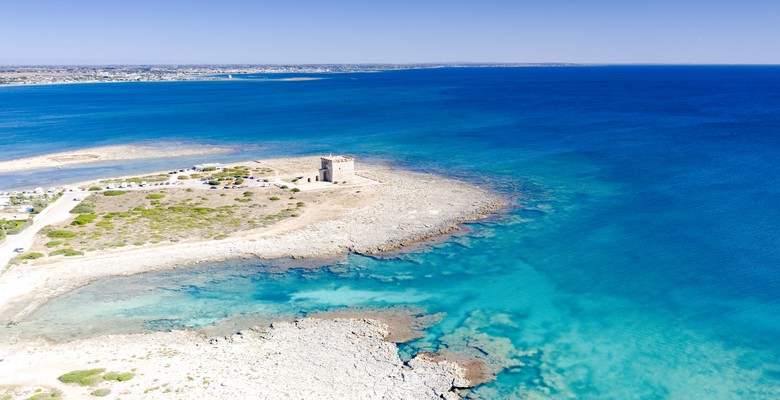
(392, 31)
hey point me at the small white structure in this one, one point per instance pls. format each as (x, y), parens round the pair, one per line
(38, 190)
(202, 167)
(337, 169)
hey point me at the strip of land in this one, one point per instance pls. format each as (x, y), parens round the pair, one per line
(282, 213)
(304, 359)
(107, 153)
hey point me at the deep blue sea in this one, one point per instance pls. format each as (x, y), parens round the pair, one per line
(640, 258)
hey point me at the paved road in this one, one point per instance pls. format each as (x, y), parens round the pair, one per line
(54, 213)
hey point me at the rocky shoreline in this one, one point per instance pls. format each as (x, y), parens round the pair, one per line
(306, 358)
(340, 356)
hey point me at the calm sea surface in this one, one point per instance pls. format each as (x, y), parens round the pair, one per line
(641, 259)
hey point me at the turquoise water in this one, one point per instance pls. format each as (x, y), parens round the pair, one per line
(639, 259)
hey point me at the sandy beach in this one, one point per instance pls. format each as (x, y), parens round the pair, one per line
(106, 153)
(388, 209)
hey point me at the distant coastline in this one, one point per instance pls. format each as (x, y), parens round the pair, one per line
(107, 153)
(42, 75)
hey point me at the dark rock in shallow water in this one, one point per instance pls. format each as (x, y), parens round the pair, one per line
(163, 324)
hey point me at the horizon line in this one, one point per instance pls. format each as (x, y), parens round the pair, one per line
(421, 64)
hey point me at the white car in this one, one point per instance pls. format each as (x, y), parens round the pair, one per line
(19, 250)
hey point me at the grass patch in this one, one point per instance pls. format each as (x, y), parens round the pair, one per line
(53, 243)
(95, 188)
(61, 234)
(33, 255)
(66, 252)
(114, 192)
(273, 198)
(83, 208)
(41, 395)
(156, 196)
(125, 376)
(296, 190)
(83, 219)
(84, 377)
(105, 224)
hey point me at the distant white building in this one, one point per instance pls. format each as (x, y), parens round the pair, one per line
(337, 169)
(201, 167)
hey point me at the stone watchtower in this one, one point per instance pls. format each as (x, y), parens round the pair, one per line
(337, 169)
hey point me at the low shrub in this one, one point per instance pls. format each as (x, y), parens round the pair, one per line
(66, 252)
(183, 177)
(83, 208)
(114, 192)
(63, 234)
(83, 219)
(110, 376)
(125, 376)
(95, 188)
(53, 243)
(296, 190)
(84, 377)
(30, 256)
(273, 198)
(155, 196)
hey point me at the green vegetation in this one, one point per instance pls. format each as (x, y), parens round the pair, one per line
(155, 196)
(66, 252)
(213, 182)
(33, 255)
(230, 173)
(102, 392)
(114, 192)
(84, 219)
(95, 188)
(183, 177)
(125, 376)
(105, 224)
(83, 208)
(296, 190)
(61, 234)
(116, 376)
(248, 194)
(110, 376)
(41, 395)
(300, 204)
(82, 377)
(284, 186)
(11, 224)
(53, 243)
(273, 198)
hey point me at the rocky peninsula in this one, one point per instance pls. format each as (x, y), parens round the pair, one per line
(383, 209)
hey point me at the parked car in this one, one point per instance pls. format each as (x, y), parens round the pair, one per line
(19, 250)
